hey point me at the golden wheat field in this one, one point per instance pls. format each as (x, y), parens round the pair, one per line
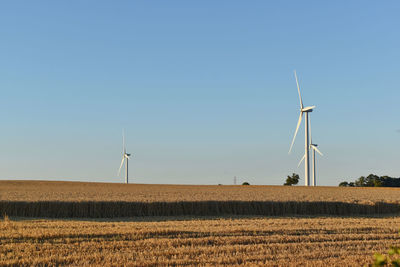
(83, 191)
(197, 242)
(105, 200)
(118, 224)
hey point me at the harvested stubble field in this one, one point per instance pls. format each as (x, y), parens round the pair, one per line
(82, 191)
(189, 242)
(102, 200)
(225, 239)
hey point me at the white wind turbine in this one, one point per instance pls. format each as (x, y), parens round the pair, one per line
(303, 110)
(314, 148)
(125, 158)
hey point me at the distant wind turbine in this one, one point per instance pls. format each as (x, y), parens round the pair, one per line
(125, 158)
(303, 110)
(314, 148)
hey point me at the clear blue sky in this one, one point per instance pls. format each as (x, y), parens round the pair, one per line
(204, 89)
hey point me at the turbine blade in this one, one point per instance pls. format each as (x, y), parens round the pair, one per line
(295, 133)
(120, 167)
(298, 89)
(123, 141)
(316, 149)
(301, 160)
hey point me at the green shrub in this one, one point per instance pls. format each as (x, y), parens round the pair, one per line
(392, 259)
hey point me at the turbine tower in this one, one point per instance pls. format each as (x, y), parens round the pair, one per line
(314, 148)
(125, 158)
(303, 110)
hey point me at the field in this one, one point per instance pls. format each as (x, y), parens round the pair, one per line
(80, 191)
(101, 200)
(206, 225)
(153, 242)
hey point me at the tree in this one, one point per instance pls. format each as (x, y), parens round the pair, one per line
(291, 180)
(373, 180)
(378, 183)
(245, 183)
(360, 181)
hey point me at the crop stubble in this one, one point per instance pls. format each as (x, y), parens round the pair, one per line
(192, 241)
(248, 241)
(82, 191)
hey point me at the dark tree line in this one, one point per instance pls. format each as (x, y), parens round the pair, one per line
(373, 180)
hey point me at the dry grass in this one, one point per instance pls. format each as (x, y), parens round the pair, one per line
(257, 241)
(79, 191)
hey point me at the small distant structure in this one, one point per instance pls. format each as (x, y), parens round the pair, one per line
(234, 180)
(125, 158)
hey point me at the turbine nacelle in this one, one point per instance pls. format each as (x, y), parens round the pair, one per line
(307, 109)
(302, 110)
(314, 147)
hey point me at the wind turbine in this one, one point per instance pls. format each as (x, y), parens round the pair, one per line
(125, 158)
(314, 148)
(303, 110)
